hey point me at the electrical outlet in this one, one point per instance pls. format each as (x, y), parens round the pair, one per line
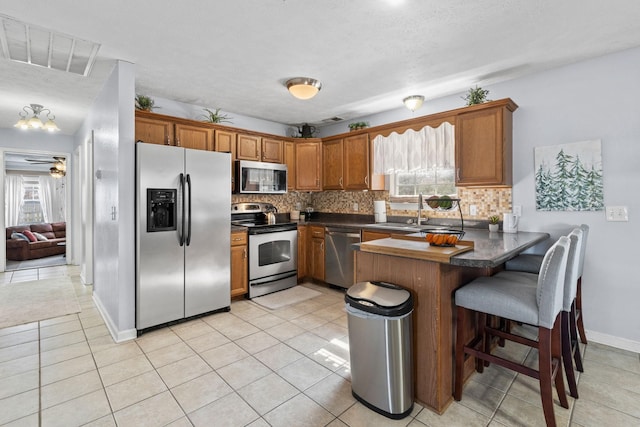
(517, 210)
(617, 213)
(356, 207)
(473, 210)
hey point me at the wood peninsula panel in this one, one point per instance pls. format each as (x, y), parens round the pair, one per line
(432, 285)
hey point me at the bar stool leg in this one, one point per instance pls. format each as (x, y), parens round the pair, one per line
(575, 348)
(583, 336)
(546, 370)
(459, 380)
(567, 357)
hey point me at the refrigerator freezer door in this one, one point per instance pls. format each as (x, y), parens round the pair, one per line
(207, 254)
(159, 257)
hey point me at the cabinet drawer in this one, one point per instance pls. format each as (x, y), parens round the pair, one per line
(317, 232)
(238, 238)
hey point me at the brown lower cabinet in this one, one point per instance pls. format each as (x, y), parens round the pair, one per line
(239, 263)
(303, 241)
(317, 253)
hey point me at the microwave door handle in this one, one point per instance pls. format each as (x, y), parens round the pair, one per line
(181, 233)
(189, 210)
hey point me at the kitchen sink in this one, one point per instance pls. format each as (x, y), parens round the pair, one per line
(405, 227)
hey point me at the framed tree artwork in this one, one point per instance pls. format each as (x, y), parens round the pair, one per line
(568, 177)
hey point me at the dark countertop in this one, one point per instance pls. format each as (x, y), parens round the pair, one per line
(490, 249)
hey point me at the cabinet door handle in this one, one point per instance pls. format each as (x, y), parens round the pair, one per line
(177, 142)
(244, 253)
(168, 142)
(340, 181)
(366, 180)
(458, 174)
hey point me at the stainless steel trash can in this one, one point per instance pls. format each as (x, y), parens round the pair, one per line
(380, 349)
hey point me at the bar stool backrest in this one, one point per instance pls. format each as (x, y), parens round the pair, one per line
(583, 249)
(573, 265)
(550, 290)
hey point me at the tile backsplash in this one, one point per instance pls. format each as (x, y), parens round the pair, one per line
(488, 201)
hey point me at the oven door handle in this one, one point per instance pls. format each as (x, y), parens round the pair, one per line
(272, 279)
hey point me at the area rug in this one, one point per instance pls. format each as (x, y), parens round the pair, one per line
(286, 297)
(26, 302)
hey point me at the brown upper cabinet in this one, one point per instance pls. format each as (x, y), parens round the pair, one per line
(225, 141)
(309, 165)
(196, 137)
(290, 161)
(484, 145)
(154, 131)
(345, 163)
(272, 150)
(248, 147)
(158, 130)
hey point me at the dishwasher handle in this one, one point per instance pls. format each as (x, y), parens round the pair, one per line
(342, 232)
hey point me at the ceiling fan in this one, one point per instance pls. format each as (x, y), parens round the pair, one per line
(59, 168)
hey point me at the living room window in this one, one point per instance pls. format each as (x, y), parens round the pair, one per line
(31, 209)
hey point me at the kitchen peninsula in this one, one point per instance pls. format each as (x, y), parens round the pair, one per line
(433, 283)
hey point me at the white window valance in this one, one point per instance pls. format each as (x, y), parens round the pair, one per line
(428, 148)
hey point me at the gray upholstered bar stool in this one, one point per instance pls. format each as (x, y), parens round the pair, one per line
(570, 349)
(539, 306)
(531, 263)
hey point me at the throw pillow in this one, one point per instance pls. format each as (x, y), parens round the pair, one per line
(18, 236)
(40, 237)
(30, 235)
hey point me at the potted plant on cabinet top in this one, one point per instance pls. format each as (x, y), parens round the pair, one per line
(358, 125)
(475, 96)
(215, 116)
(494, 223)
(144, 103)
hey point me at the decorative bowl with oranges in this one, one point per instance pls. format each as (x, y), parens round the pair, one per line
(443, 237)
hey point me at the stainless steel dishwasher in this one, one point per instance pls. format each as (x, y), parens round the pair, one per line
(338, 258)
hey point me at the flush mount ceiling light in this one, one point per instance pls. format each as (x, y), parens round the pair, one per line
(303, 87)
(413, 102)
(34, 122)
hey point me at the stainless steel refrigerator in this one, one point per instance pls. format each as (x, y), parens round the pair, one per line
(182, 234)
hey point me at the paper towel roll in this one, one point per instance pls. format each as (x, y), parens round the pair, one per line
(380, 210)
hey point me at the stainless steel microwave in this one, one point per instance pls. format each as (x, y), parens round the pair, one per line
(260, 177)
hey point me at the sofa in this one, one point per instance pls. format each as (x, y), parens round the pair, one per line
(43, 240)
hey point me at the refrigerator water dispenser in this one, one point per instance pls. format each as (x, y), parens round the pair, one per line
(161, 209)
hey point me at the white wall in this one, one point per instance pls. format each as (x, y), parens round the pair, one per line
(195, 112)
(594, 99)
(111, 118)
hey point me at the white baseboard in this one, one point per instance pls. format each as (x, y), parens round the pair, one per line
(613, 341)
(117, 335)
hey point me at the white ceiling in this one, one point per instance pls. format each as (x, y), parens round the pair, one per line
(368, 54)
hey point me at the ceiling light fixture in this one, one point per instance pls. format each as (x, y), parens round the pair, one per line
(303, 87)
(413, 102)
(34, 122)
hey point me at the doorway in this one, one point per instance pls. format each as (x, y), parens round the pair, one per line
(35, 195)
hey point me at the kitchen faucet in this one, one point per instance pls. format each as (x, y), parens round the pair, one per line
(420, 207)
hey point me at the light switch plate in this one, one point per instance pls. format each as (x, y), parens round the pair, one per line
(617, 213)
(473, 210)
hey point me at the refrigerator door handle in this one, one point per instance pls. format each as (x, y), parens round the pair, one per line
(181, 233)
(188, 240)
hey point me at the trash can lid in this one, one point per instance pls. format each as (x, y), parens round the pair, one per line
(380, 297)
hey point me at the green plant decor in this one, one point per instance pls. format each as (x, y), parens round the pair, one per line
(215, 116)
(494, 219)
(358, 125)
(476, 95)
(144, 103)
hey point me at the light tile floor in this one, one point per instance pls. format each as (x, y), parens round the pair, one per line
(256, 367)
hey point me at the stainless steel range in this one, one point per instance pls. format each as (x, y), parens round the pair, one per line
(273, 247)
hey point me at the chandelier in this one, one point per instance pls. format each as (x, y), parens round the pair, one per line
(34, 122)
